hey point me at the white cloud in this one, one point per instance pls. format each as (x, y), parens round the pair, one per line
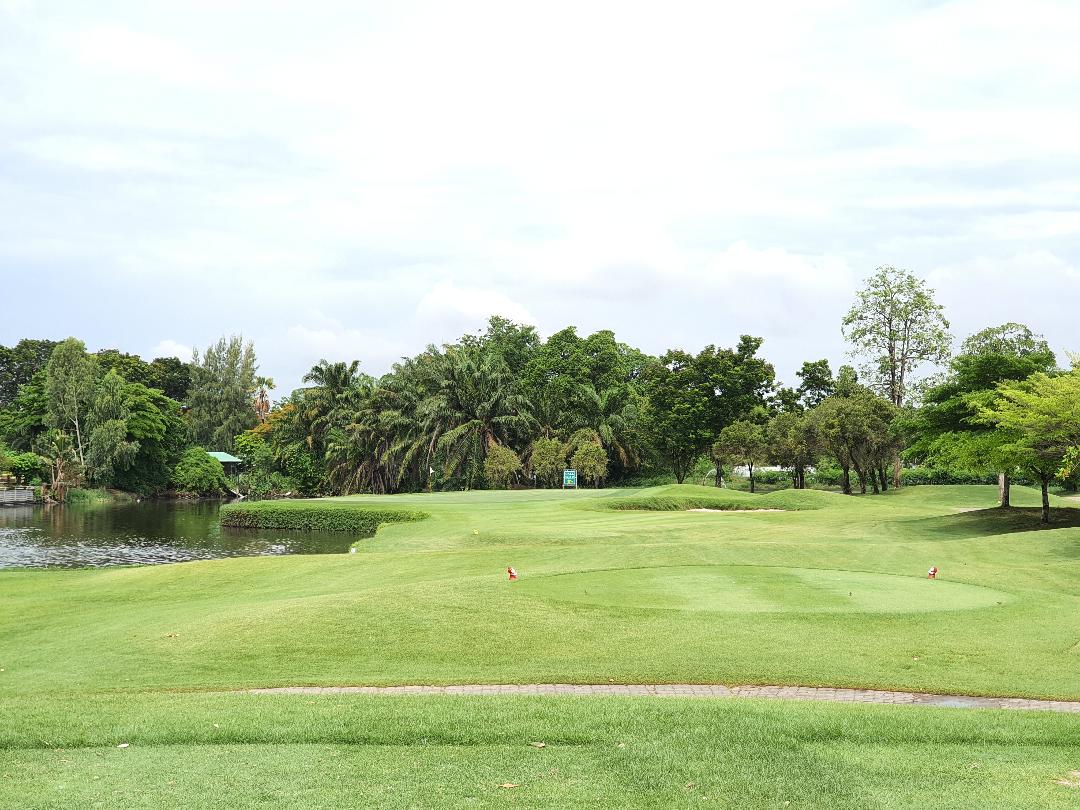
(171, 348)
(449, 303)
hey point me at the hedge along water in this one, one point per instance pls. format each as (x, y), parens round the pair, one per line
(309, 516)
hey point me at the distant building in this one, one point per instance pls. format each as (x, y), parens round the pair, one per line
(230, 462)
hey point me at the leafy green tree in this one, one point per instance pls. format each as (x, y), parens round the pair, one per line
(591, 462)
(792, 444)
(855, 427)
(947, 430)
(743, 443)
(502, 466)
(678, 411)
(58, 450)
(816, 382)
(109, 451)
(155, 422)
(170, 376)
(25, 419)
(19, 364)
(896, 324)
(70, 379)
(548, 460)
(1039, 424)
(221, 393)
(130, 367)
(260, 478)
(199, 473)
(25, 467)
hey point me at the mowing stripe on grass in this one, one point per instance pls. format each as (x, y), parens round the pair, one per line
(826, 693)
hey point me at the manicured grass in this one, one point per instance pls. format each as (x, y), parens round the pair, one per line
(831, 591)
(211, 751)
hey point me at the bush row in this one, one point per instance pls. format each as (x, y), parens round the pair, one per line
(313, 516)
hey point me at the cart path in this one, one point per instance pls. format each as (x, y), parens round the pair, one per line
(825, 693)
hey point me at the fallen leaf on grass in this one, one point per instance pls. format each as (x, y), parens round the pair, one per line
(508, 785)
(123, 745)
(538, 745)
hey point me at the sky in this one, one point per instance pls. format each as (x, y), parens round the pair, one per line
(358, 180)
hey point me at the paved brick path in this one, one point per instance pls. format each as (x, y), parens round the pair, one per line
(695, 690)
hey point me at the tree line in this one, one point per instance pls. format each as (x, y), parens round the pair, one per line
(508, 408)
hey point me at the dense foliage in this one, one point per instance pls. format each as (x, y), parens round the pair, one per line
(198, 473)
(507, 408)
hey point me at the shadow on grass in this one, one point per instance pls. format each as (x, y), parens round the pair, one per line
(995, 520)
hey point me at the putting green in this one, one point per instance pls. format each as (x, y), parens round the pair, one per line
(761, 589)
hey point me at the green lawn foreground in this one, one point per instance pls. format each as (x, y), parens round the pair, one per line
(92, 659)
(259, 751)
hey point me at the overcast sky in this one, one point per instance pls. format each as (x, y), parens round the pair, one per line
(357, 180)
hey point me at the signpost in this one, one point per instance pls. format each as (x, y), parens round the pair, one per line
(569, 479)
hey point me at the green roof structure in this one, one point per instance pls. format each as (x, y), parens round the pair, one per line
(224, 458)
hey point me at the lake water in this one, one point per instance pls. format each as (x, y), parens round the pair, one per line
(146, 533)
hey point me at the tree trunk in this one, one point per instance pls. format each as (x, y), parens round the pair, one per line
(845, 481)
(874, 481)
(896, 470)
(883, 478)
(750, 467)
(1045, 480)
(719, 475)
(862, 479)
(1004, 490)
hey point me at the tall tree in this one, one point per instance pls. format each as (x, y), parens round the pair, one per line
(171, 376)
(947, 428)
(70, 379)
(19, 364)
(792, 444)
(742, 443)
(816, 382)
(896, 324)
(222, 391)
(1039, 420)
(109, 450)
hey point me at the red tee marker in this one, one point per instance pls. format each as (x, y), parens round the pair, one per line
(512, 573)
(932, 573)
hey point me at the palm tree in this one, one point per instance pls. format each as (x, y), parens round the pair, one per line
(477, 406)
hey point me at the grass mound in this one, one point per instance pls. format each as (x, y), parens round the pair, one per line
(681, 498)
(314, 516)
(762, 589)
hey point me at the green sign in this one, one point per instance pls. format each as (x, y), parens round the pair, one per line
(569, 479)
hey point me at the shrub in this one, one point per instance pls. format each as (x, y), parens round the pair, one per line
(590, 460)
(501, 467)
(199, 473)
(548, 460)
(313, 516)
(26, 466)
(926, 476)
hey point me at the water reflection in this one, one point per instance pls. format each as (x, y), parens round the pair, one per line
(146, 533)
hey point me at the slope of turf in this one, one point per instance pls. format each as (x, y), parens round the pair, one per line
(428, 602)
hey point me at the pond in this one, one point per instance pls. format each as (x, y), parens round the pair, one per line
(141, 533)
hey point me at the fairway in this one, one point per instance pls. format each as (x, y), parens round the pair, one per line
(617, 586)
(763, 589)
